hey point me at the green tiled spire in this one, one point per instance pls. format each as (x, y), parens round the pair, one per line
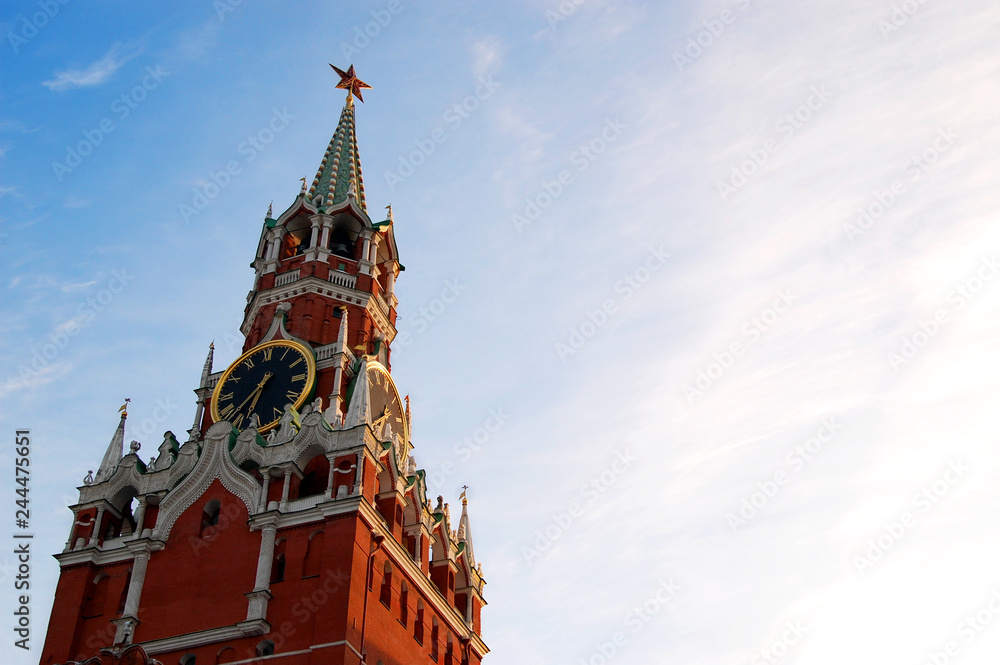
(340, 171)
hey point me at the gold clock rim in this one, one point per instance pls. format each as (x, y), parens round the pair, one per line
(310, 377)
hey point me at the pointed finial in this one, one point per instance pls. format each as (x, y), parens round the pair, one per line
(351, 83)
(270, 209)
(302, 191)
(123, 409)
(465, 502)
(389, 214)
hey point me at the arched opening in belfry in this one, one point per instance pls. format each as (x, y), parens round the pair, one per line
(341, 243)
(315, 476)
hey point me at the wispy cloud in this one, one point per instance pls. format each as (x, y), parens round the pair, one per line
(96, 73)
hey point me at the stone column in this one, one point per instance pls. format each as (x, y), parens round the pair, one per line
(265, 557)
(390, 283)
(358, 473)
(284, 490)
(314, 238)
(72, 530)
(257, 599)
(98, 522)
(135, 584)
(262, 504)
(325, 240)
(364, 266)
(140, 516)
(329, 480)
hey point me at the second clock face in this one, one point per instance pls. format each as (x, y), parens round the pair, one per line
(384, 400)
(262, 381)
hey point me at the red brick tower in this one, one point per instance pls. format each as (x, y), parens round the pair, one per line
(293, 524)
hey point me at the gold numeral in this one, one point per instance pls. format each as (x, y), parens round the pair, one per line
(225, 396)
(287, 349)
(228, 411)
(234, 379)
(295, 363)
(238, 420)
(299, 377)
(277, 412)
(291, 396)
(249, 363)
(268, 352)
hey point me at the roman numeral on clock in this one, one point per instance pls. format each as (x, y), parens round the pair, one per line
(268, 353)
(299, 377)
(228, 411)
(291, 395)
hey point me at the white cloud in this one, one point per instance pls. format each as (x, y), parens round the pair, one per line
(94, 74)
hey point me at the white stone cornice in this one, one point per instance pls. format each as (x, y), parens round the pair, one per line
(315, 285)
(203, 637)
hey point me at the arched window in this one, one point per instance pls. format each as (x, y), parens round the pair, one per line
(97, 596)
(210, 519)
(434, 639)
(449, 651)
(265, 648)
(385, 593)
(278, 563)
(225, 655)
(314, 556)
(314, 476)
(404, 609)
(188, 659)
(418, 623)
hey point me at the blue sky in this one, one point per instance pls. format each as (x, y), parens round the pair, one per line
(726, 270)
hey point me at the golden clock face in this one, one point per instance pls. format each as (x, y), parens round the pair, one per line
(383, 398)
(262, 381)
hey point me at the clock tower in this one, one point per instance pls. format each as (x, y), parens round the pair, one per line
(293, 523)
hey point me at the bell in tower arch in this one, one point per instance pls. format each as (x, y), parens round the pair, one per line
(341, 243)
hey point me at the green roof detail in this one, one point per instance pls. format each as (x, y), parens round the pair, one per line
(340, 170)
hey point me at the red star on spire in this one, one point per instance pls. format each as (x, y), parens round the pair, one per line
(351, 83)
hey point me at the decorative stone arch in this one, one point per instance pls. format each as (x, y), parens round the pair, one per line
(226, 654)
(313, 560)
(96, 597)
(214, 463)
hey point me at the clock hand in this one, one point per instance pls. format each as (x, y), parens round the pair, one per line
(256, 392)
(260, 390)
